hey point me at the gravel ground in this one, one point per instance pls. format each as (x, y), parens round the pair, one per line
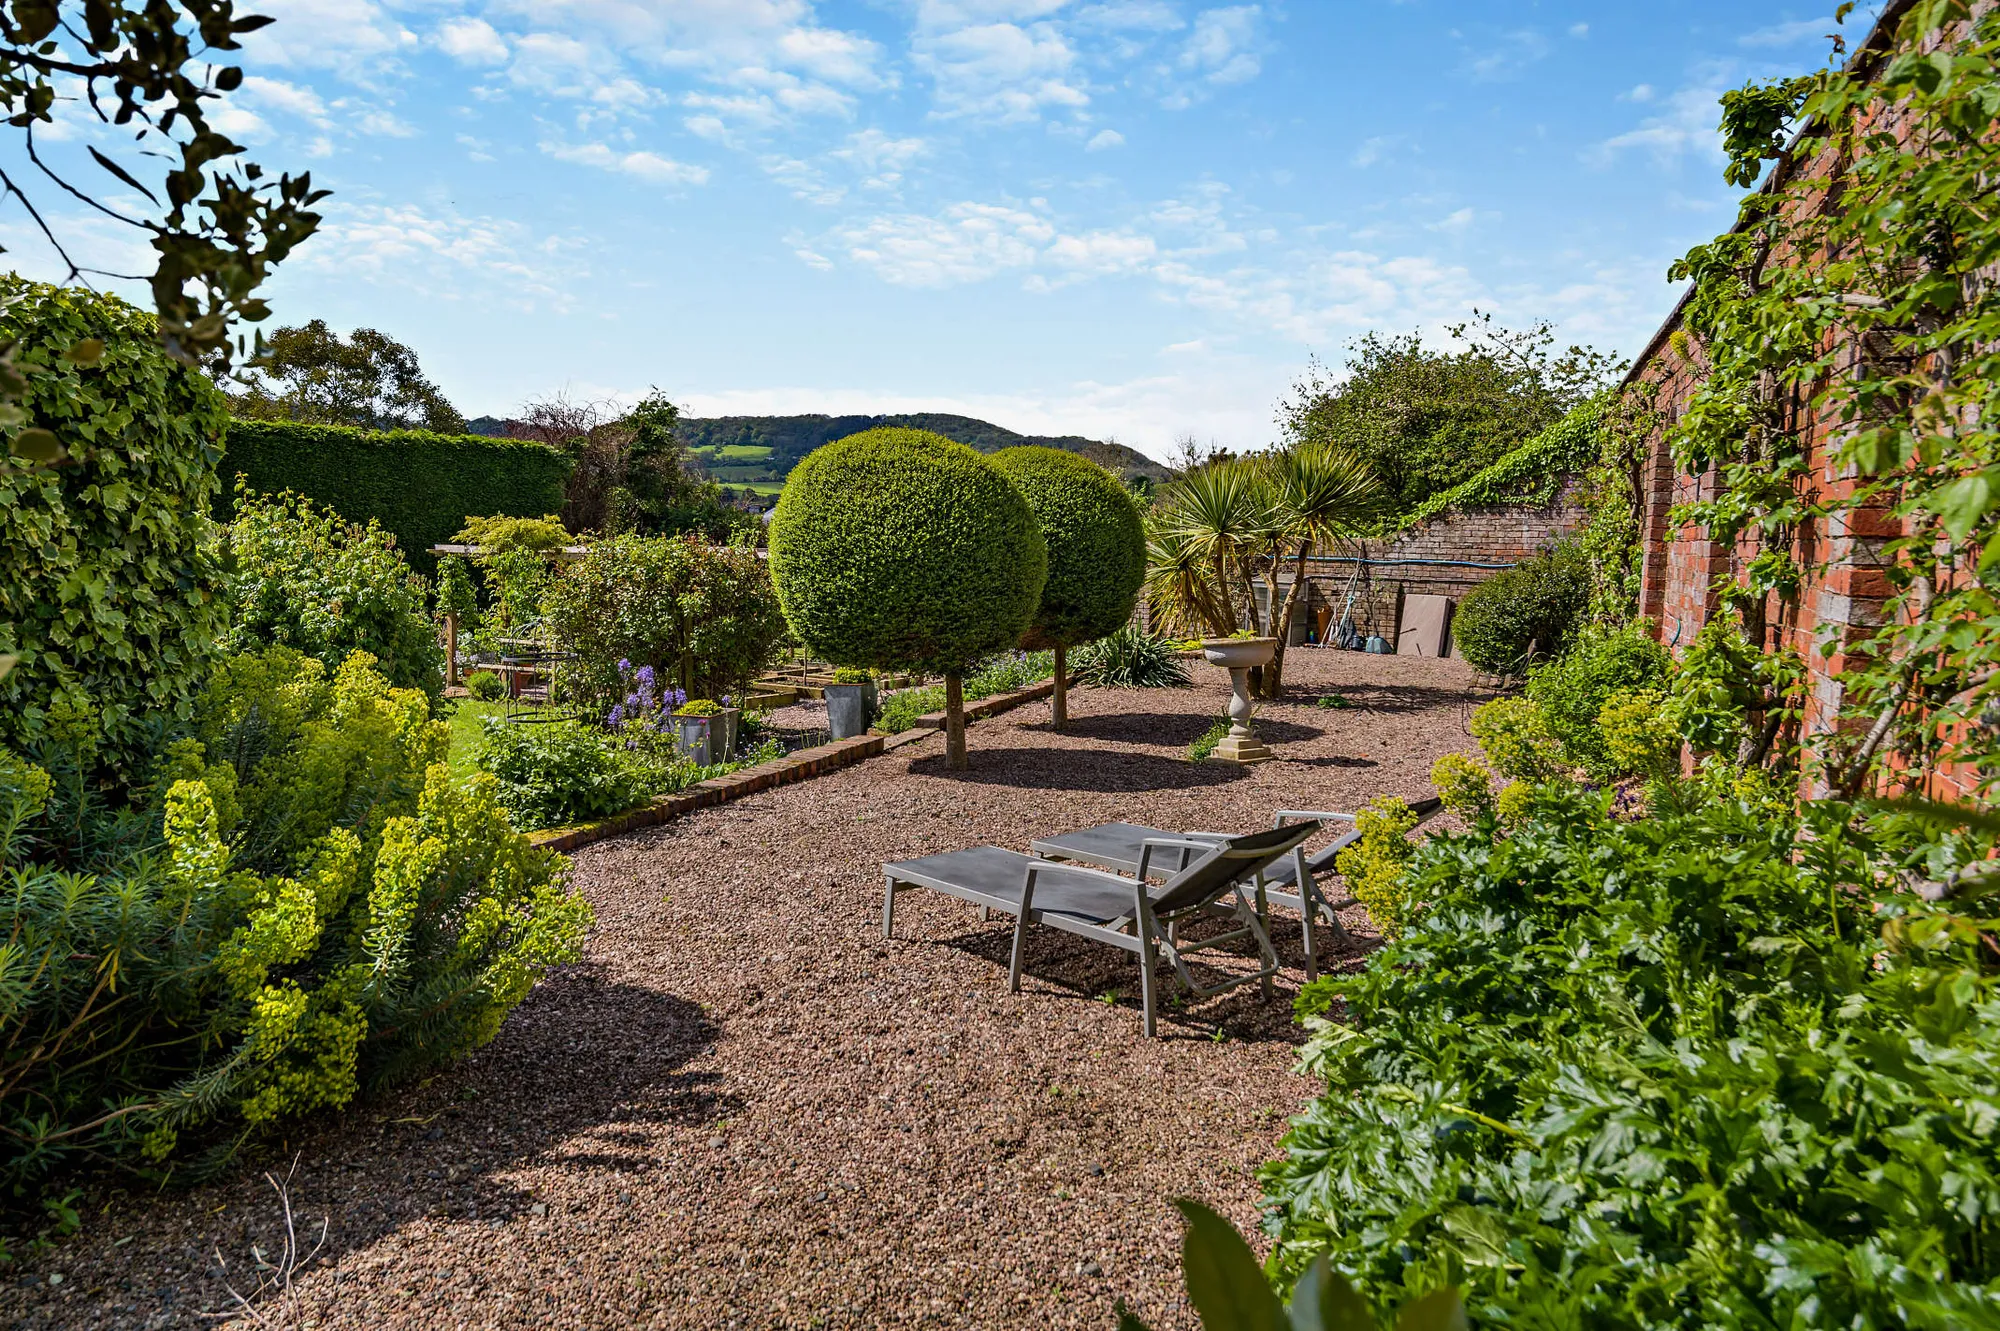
(744, 1109)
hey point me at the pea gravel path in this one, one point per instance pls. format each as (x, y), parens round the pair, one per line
(745, 1110)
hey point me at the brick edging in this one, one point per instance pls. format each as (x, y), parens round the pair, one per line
(801, 766)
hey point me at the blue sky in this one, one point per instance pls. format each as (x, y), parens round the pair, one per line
(1119, 218)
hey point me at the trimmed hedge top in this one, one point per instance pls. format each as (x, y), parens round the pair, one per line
(420, 486)
(1096, 540)
(899, 548)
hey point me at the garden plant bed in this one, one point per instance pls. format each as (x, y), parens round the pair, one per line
(745, 1109)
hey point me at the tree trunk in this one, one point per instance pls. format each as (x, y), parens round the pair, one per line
(1059, 704)
(954, 723)
(451, 649)
(1281, 627)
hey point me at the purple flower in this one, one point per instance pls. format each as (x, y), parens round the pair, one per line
(623, 665)
(617, 717)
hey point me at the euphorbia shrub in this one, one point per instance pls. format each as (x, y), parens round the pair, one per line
(310, 905)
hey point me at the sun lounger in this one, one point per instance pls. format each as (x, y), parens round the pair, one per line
(1129, 913)
(1291, 881)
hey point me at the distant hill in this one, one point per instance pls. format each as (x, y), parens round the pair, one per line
(790, 438)
(756, 453)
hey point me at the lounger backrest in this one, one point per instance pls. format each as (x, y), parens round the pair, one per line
(1229, 862)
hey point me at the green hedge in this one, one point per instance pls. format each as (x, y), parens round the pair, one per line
(418, 485)
(110, 581)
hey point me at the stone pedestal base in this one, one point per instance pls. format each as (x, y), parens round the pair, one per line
(1245, 748)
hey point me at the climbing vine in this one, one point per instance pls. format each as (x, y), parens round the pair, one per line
(1862, 341)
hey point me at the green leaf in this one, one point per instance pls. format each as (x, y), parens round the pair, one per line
(1962, 503)
(35, 444)
(87, 352)
(1439, 1310)
(1224, 1281)
(1323, 1300)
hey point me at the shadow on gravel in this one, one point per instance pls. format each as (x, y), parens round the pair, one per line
(1083, 971)
(1402, 697)
(579, 1074)
(1077, 769)
(1173, 730)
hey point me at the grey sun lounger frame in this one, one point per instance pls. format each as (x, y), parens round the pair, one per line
(1129, 913)
(1290, 882)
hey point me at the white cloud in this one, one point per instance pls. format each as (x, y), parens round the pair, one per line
(1374, 150)
(1000, 71)
(647, 166)
(1642, 92)
(1454, 223)
(1686, 123)
(970, 243)
(1103, 139)
(442, 255)
(1579, 30)
(354, 37)
(1791, 34)
(1508, 55)
(470, 41)
(1218, 48)
(276, 95)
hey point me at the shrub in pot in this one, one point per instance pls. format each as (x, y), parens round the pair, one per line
(850, 703)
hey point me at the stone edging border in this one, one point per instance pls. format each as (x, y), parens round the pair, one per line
(801, 766)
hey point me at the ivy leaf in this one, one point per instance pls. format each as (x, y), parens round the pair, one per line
(1963, 502)
(1224, 1281)
(35, 444)
(87, 352)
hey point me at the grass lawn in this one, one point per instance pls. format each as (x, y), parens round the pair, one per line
(464, 716)
(744, 453)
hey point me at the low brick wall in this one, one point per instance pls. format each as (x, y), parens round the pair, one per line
(801, 766)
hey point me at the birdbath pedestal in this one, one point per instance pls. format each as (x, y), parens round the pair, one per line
(1238, 656)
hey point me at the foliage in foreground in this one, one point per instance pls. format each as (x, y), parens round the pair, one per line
(307, 906)
(301, 577)
(107, 564)
(1006, 673)
(1669, 1072)
(1228, 1290)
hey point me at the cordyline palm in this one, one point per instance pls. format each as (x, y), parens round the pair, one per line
(1219, 521)
(1320, 495)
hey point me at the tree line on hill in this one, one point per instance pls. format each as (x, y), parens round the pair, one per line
(1424, 418)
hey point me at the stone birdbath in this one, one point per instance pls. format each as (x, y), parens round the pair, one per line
(1238, 656)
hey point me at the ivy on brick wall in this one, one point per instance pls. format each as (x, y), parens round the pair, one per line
(419, 486)
(1533, 474)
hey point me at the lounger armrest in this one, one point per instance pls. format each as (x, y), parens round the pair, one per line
(1286, 815)
(1177, 843)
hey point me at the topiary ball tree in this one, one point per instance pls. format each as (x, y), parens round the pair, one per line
(1097, 553)
(899, 549)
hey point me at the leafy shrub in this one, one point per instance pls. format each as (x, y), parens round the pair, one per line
(1374, 865)
(901, 709)
(498, 533)
(556, 774)
(1515, 735)
(109, 570)
(1728, 696)
(699, 707)
(485, 686)
(899, 548)
(1096, 544)
(302, 577)
(1129, 658)
(309, 906)
(419, 486)
(701, 615)
(1009, 672)
(455, 592)
(1572, 690)
(1535, 605)
(849, 675)
(1665, 1072)
(1463, 785)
